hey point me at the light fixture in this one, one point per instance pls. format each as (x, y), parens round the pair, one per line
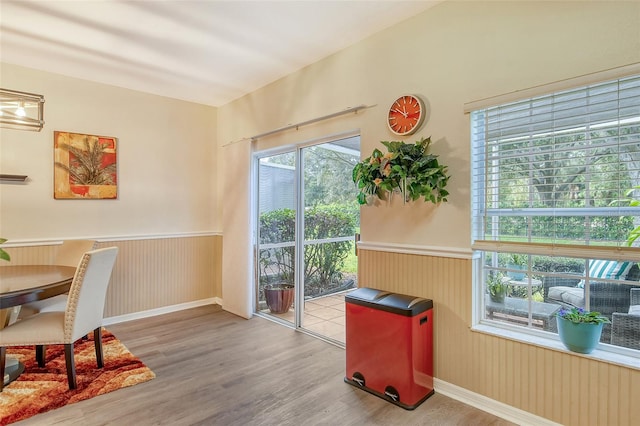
(21, 110)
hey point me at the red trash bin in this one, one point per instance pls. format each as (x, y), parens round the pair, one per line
(389, 345)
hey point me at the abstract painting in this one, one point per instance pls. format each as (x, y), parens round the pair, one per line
(85, 166)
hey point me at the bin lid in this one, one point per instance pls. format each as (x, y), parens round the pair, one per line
(400, 304)
(367, 294)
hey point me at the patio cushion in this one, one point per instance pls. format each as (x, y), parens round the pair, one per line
(608, 269)
(634, 310)
(570, 295)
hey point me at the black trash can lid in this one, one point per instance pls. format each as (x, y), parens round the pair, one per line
(400, 304)
(367, 294)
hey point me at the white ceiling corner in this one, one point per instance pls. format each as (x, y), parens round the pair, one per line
(208, 52)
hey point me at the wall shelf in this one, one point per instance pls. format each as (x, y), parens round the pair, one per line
(13, 178)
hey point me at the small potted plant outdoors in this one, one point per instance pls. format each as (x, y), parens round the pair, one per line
(496, 287)
(517, 261)
(280, 295)
(580, 330)
(278, 289)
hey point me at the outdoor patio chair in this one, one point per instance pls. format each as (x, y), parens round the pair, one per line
(625, 327)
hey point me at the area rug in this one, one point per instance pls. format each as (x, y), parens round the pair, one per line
(42, 389)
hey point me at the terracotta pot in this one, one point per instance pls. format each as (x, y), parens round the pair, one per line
(279, 297)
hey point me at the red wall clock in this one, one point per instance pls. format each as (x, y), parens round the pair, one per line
(406, 115)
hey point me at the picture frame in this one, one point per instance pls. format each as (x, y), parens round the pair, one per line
(85, 166)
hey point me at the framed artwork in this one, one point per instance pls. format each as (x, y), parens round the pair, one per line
(85, 166)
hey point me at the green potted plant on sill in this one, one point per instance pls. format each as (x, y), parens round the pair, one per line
(406, 168)
(580, 330)
(496, 287)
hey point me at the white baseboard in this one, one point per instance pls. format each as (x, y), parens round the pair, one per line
(489, 405)
(159, 311)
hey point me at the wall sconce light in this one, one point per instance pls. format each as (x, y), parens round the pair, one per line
(21, 110)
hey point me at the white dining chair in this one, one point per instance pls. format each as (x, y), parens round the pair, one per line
(83, 314)
(68, 254)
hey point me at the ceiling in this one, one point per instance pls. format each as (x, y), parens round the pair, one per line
(209, 52)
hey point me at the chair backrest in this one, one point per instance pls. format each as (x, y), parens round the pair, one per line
(88, 292)
(71, 251)
(635, 296)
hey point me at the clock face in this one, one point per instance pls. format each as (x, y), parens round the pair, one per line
(405, 115)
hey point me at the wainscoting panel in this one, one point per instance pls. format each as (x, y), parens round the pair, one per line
(154, 273)
(562, 387)
(43, 254)
(149, 273)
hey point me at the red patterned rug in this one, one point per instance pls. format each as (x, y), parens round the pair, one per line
(42, 389)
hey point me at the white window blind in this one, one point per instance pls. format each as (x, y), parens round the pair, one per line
(556, 168)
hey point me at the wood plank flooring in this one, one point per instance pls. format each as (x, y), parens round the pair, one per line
(214, 368)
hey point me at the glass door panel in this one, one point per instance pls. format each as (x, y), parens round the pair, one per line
(331, 220)
(276, 235)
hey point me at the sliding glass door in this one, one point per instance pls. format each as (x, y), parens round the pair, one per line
(307, 221)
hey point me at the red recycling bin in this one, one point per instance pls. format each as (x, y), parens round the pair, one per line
(390, 345)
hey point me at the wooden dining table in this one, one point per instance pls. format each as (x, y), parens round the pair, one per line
(20, 284)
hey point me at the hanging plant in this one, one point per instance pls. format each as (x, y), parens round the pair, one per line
(407, 168)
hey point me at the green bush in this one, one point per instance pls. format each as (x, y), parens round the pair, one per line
(602, 229)
(558, 264)
(323, 261)
(276, 264)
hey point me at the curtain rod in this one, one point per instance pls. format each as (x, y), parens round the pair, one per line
(302, 123)
(547, 88)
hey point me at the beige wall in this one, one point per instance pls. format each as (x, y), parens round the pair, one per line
(166, 158)
(165, 218)
(452, 54)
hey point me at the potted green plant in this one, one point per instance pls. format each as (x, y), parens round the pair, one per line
(496, 286)
(3, 254)
(580, 330)
(278, 289)
(517, 261)
(406, 168)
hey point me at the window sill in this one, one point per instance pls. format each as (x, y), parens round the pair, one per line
(622, 359)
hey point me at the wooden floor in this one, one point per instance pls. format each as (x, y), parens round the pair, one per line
(214, 368)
